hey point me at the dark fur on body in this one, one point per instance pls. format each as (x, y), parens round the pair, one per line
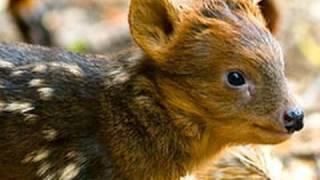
(65, 121)
(71, 126)
(156, 112)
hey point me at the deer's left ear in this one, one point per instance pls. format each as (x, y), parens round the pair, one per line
(271, 13)
(154, 22)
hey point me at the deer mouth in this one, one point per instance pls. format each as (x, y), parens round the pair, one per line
(282, 132)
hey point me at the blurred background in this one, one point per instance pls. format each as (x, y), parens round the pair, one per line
(100, 26)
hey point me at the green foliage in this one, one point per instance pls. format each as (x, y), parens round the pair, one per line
(79, 46)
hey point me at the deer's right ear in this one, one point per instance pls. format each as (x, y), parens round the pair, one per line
(153, 22)
(271, 13)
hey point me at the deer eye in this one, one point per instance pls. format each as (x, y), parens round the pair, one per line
(235, 79)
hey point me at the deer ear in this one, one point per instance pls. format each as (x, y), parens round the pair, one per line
(153, 22)
(271, 13)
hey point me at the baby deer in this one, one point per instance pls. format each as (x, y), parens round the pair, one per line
(207, 74)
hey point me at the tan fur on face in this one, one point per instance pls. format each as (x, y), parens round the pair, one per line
(206, 41)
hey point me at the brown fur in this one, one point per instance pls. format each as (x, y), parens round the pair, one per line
(155, 112)
(271, 12)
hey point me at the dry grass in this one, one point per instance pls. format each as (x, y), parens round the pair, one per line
(245, 162)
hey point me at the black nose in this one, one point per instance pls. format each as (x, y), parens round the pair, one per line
(293, 119)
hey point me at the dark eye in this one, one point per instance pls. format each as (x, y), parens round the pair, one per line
(235, 79)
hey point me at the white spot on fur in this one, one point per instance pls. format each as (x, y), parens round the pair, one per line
(122, 77)
(72, 68)
(50, 134)
(6, 64)
(50, 177)
(69, 172)
(46, 93)
(18, 107)
(30, 118)
(75, 156)
(135, 56)
(115, 72)
(118, 75)
(72, 155)
(17, 73)
(27, 110)
(39, 68)
(36, 156)
(43, 169)
(36, 82)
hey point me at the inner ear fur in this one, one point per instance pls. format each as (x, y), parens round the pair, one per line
(271, 13)
(153, 22)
